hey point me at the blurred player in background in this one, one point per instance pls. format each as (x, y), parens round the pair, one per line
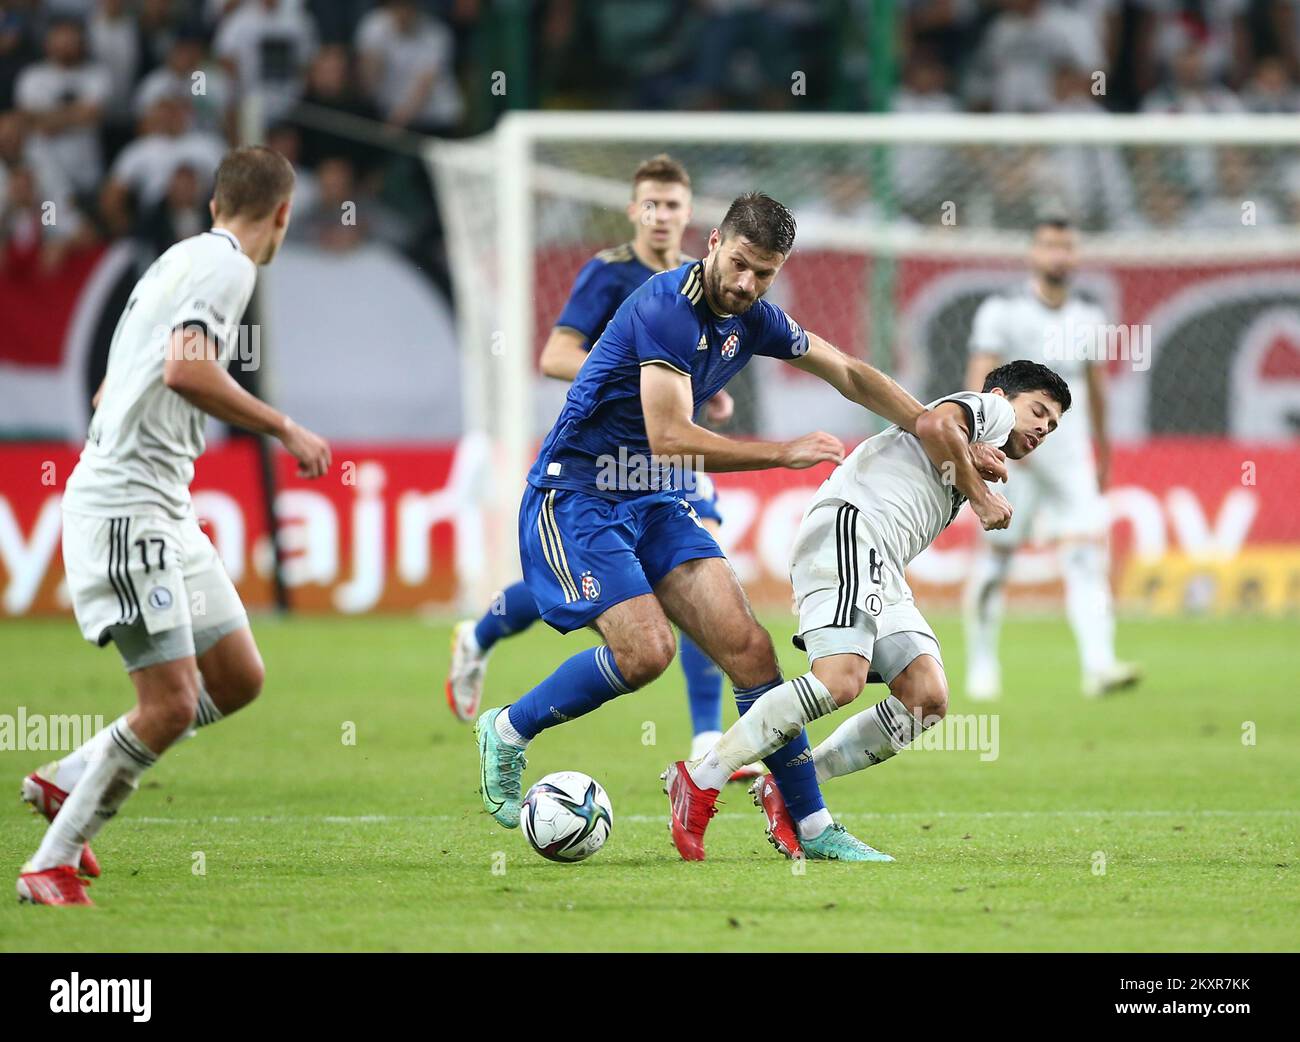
(140, 571)
(890, 500)
(1057, 493)
(660, 211)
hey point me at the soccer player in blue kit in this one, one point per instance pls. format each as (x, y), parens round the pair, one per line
(607, 536)
(659, 211)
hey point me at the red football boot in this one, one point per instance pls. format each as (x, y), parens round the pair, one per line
(692, 807)
(54, 886)
(46, 799)
(782, 832)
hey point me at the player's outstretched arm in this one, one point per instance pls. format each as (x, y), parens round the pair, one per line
(860, 382)
(667, 404)
(205, 384)
(945, 435)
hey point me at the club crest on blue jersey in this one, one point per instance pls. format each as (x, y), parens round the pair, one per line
(730, 346)
(590, 587)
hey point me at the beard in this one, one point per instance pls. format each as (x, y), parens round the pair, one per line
(726, 301)
(1016, 446)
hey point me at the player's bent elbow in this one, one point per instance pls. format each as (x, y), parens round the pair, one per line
(174, 375)
(666, 442)
(931, 424)
(550, 366)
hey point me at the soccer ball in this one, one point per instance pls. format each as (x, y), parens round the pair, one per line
(567, 816)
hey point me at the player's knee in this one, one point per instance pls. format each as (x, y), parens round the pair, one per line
(843, 675)
(924, 691)
(173, 712)
(249, 679)
(753, 658)
(644, 659)
(245, 685)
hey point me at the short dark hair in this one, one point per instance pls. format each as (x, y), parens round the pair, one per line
(251, 182)
(762, 220)
(662, 167)
(1024, 375)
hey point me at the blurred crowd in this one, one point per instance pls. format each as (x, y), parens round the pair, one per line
(113, 113)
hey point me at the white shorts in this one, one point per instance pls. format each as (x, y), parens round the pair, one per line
(152, 584)
(842, 580)
(1050, 501)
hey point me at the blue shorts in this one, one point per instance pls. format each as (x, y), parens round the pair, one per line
(704, 498)
(583, 554)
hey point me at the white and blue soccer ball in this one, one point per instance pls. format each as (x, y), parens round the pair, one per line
(567, 816)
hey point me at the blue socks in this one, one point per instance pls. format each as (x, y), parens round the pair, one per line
(703, 687)
(583, 683)
(513, 611)
(792, 765)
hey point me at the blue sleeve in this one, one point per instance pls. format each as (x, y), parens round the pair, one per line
(665, 329)
(592, 301)
(775, 334)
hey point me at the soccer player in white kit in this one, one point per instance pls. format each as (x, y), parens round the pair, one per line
(140, 571)
(1057, 494)
(881, 507)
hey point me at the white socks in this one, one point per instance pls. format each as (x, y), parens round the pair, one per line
(506, 730)
(113, 765)
(1088, 605)
(982, 607)
(68, 771)
(866, 739)
(777, 717)
(703, 742)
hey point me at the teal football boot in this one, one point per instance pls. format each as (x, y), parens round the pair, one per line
(836, 843)
(501, 771)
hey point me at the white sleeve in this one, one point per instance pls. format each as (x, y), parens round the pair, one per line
(132, 164)
(216, 297)
(29, 92)
(97, 85)
(990, 417)
(372, 33)
(986, 335)
(228, 42)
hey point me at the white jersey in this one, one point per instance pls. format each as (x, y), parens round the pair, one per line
(899, 492)
(144, 437)
(1066, 339)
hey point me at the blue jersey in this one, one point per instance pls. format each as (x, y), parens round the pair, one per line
(602, 285)
(599, 444)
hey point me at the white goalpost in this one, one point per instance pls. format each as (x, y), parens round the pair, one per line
(905, 221)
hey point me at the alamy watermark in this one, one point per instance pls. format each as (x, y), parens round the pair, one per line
(45, 732)
(1092, 342)
(195, 342)
(959, 732)
(637, 472)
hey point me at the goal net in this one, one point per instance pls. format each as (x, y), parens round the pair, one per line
(1188, 244)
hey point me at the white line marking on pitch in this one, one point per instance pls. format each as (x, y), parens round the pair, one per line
(382, 819)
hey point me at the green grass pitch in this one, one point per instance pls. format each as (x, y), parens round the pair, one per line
(1143, 822)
